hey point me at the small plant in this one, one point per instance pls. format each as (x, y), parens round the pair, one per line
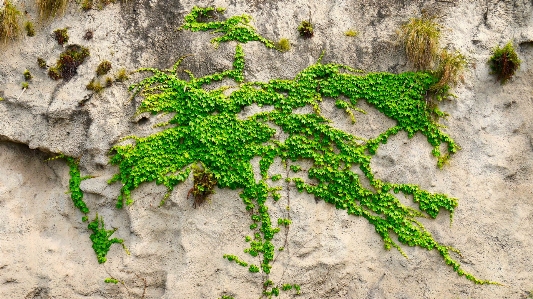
(95, 86)
(103, 68)
(1, 99)
(88, 35)
(108, 82)
(504, 62)
(283, 45)
(111, 280)
(448, 72)
(122, 75)
(420, 37)
(9, 22)
(61, 36)
(27, 75)
(204, 184)
(351, 33)
(67, 65)
(51, 8)
(30, 31)
(306, 29)
(41, 63)
(25, 85)
(87, 5)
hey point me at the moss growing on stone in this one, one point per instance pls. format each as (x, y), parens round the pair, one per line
(67, 65)
(41, 63)
(306, 29)
(504, 62)
(61, 36)
(103, 68)
(283, 45)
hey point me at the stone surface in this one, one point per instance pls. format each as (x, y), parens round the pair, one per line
(176, 251)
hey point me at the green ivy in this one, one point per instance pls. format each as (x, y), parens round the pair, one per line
(205, 129)
(100, 239)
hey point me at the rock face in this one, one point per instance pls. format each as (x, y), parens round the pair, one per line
(176, 250)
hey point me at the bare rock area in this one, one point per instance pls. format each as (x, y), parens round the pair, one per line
(176, 251)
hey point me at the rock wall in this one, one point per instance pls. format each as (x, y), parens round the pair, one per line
(176, 250)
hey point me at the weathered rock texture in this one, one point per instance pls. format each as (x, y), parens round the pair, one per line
(176, 251)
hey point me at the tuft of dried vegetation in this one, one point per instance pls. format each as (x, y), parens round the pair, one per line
(421, 40)
(51, 8)
(88, 35)
(449, 70)
(9, 22)
(95, 86)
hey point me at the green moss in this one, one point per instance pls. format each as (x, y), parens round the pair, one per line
(306, 29)
(27, 75)
(24, 85)
(95, 86)
(103, 68)
(283, 45)
(108, 82)
(351, 33)
(9, 22)
(86, 4)
(61, 36)
(420, 37)
(41, 63)
(504, 62)
(30, 31)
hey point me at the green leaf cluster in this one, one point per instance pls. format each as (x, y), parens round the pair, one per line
(504, 62)
(205, 129)
(100, 238)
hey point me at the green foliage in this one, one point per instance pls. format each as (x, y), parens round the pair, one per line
(51, 8)
(27, 75)
(351, 33)
(236, 28)
(232, 258)
(41, 63)
(420, 37)
(74, 183)
(284, 222)
(504, 62)
(61, 36)
(30, 31)
(103, 68)
(100, 238)
(24, 85)
(111, 280)
(9, 22)
(205, 129)
(283, 45)
(226, 297)
(69, 60)
(306, 29)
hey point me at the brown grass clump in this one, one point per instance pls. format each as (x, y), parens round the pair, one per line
(9, 22)
(51, 8)
(449, 70)
(421, 40)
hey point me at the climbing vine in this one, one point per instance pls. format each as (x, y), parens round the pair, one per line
(205, 129)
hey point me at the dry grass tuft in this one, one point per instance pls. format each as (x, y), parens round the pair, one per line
(51, 8)
(421, 40)
(9, 22)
